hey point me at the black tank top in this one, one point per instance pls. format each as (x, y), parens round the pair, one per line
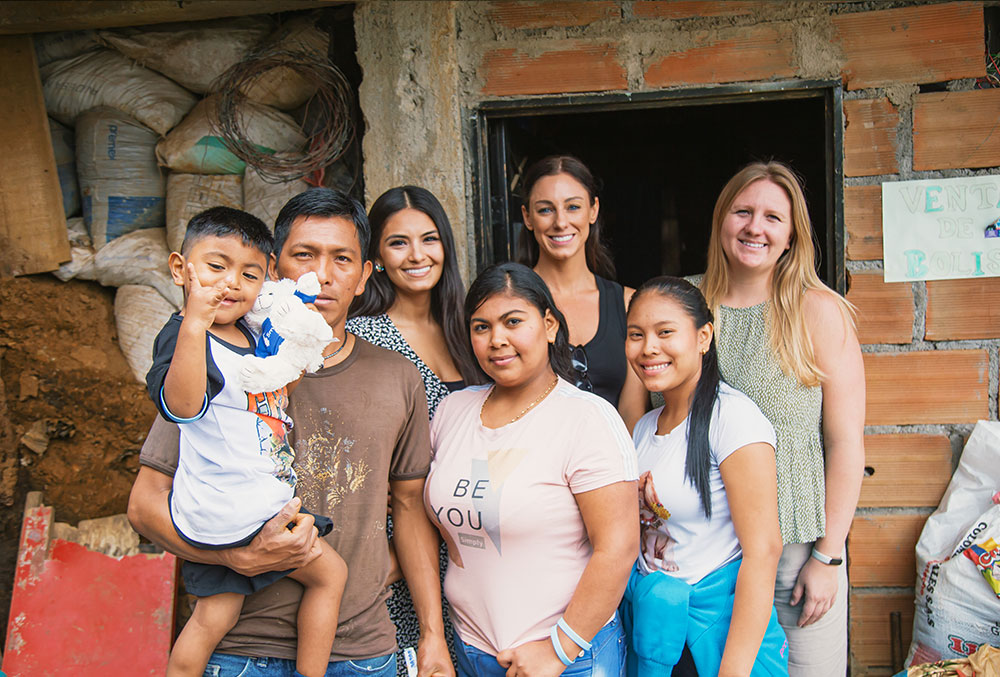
(606, 363)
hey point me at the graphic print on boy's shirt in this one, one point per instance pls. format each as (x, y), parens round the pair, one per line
(273, 432)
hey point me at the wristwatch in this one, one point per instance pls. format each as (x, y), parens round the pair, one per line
(825, 559)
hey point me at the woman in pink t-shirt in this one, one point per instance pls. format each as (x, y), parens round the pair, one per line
(533, 488)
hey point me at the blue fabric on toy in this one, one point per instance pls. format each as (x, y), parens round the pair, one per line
(269, 340)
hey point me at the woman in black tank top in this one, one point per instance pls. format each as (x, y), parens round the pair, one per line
(561, 213)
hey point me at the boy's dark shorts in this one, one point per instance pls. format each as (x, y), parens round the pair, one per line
(204, 580)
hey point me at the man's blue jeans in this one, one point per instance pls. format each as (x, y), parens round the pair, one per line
(225, 665)
(606, 657)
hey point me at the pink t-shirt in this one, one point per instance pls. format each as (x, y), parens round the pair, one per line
(504, 499)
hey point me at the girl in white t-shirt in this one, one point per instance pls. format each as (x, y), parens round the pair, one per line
(533, 487)
(710, 542)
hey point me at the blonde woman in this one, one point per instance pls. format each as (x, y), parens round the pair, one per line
(789, 343)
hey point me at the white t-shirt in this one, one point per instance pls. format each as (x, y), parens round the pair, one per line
(677, 538)
(235, 467)
(505, 500)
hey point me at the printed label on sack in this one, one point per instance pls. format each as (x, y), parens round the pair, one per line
(986, 557)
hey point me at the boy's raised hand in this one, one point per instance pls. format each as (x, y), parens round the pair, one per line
(202, 302)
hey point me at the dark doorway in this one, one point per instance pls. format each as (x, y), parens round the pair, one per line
(662, 164)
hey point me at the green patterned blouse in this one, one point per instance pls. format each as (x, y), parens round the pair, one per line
(748, 363)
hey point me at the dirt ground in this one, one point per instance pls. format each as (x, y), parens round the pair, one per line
(60, 365)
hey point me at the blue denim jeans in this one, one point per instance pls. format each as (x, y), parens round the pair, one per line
(226, 665)
(606, 657)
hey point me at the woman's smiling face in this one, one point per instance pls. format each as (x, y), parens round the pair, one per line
(411, 251)
(510, 339)
(663, 345)
(757, 229)
(559, 213)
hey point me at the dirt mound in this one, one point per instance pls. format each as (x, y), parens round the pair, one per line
(67, 392)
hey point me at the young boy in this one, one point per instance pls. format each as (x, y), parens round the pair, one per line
(235, 468)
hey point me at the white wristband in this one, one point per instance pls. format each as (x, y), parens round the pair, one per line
(826, 559)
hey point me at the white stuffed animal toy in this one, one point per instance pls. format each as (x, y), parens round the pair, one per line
(292, 336)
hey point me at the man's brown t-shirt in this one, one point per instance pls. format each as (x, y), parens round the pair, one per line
(356, 426)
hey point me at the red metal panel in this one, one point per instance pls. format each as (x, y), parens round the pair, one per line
(83, 613)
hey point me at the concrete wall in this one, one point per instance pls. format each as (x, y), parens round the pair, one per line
(410, 100)
(931, 349)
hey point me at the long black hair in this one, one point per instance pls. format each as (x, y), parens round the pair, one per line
(522, 281)
(698, 461)
(598, 257)
(446, 297)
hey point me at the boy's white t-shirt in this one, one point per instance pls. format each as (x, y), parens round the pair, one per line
(235, 467)
(504, 499)
(681, 541)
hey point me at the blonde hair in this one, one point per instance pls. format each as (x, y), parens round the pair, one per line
(793, 277)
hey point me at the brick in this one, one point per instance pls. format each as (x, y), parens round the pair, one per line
(885, 311)
(685, 9)
(931, 386)
(870, 137)
(871, 651)
(953, 130)
(758, 52)
(963, 309)
(882, 550)
(552, 14)
(579, 67)
(905, 470)
(863, 218)
(912, 44)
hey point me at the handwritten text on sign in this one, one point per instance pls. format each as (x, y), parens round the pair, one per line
(941, 229)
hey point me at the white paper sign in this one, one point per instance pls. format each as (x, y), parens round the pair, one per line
(941, 229)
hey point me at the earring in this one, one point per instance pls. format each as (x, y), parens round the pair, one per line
(379, 268)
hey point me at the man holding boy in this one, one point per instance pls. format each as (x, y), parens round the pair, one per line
(360, 428)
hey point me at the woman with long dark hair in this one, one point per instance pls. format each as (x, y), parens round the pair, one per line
(789, 342)
(708, 501)
(532, 486)
(412, 304)
(562, 242)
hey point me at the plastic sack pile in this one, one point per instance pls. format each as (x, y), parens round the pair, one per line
(137, 156)
(958, 560)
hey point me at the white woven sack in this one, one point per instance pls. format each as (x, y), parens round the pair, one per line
(195, 148)
(264, 199)
(192, 54)
(283, 87)
(957, 609)
(140, 313)
(104, 77)
(122, 187)
(139, 258)
(188, 194)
